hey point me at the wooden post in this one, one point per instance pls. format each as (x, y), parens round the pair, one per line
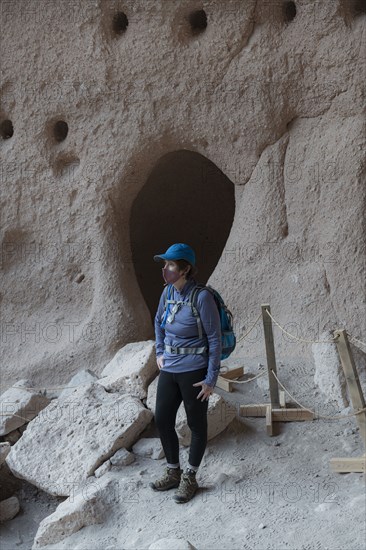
(277, 415)
(350, 372)
(231, 374)
(271, 359)
(225, 380)
(269, 420)
(224, 384)
(347, 465)
(282, 399)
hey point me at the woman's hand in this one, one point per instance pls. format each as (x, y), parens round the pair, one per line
(206, 390)
(160, 361)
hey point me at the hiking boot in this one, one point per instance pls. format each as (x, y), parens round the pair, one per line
(187, 487)
(169, 479)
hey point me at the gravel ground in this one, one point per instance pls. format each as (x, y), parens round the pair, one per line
(256, 492)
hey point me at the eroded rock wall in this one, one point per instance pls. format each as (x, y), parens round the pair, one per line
(271, 92)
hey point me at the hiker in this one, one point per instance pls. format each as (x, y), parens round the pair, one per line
(189, 367)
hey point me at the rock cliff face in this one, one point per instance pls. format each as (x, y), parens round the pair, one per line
(125, 126)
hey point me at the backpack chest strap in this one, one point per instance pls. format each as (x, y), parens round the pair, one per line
(193, 299)
(191, 302)
(185, 351)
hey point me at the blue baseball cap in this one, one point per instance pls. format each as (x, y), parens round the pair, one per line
(178, 251)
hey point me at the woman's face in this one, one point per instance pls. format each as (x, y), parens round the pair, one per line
(173, 266)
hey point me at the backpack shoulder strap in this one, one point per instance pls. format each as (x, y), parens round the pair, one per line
(195, 292)
(193, 301)
(166, 294)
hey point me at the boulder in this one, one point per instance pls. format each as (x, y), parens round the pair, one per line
(329, 375)
(149, 447)
(87, 506)
(131, 369)
(219, 415)
(19, 405)
(122, 458)
(103, 469)
(9, 508)
(83, 377)
(74, 436)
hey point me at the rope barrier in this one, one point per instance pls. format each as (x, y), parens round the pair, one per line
(301, 339)
(332, 341)
(250, 379)
(317, 416)
(313, 412)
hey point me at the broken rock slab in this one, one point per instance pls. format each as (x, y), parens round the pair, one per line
(122, 458)
(219, 415)
(81, 378)
(131, 369)
(170, 543)
(329, 375)
(87, 506)
(149, 447)
(9, 509)
(103, 469)
(19, 405)
(74, 436)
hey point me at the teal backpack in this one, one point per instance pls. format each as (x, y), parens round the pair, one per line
(228, 338)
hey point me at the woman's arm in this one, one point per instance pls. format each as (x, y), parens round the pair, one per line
(210, 319)
(159, 332)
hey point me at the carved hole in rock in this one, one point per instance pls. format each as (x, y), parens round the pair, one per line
(187, 199)
(120, 22)
(6, 129)
(60, 130)
(359, 7)
(198, 21)
(289, 11)
(66, 166)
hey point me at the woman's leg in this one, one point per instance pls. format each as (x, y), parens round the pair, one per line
(168, 399)
(196, 411)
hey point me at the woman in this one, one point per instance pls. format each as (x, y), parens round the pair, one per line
(189, 367)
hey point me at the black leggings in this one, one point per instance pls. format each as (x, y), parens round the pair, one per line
(173, 387)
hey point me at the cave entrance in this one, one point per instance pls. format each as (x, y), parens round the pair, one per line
(187, 199)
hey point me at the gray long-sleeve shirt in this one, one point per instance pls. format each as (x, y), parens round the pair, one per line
(183, 332)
